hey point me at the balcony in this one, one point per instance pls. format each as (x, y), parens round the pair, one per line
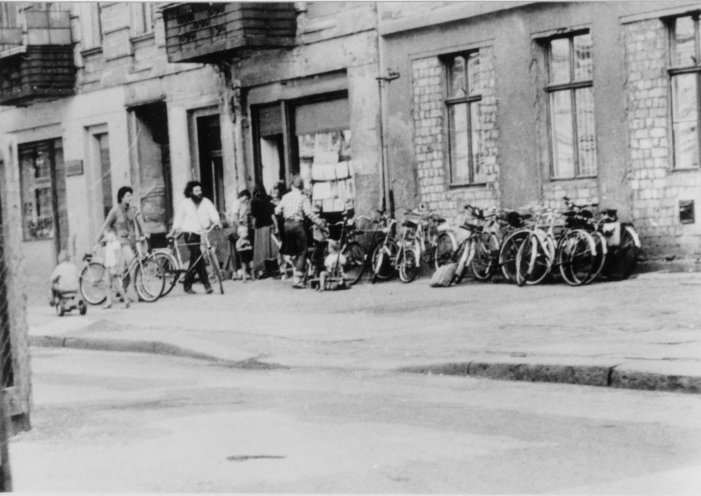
(36, 62)
(210, 32)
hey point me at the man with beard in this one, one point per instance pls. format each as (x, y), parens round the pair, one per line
(194, 215)
(123, 219)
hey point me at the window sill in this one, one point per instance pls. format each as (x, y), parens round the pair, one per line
(578, 178)
(138, 38)
(466, 185)
(686, 169)
(89, 52)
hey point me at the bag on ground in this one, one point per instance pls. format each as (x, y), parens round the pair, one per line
(444, 275)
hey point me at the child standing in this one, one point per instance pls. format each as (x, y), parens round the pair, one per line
(64, 279)
(114, 263)
(244, 250)
(333, 265)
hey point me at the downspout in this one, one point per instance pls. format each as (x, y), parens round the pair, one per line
(387, 199)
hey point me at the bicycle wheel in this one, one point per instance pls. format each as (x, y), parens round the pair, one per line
(446, 246)
(507, 253)
(149, 279)
(533, 261)
(170, 270)
(601, 255)
(355, 262)
(576, 257)
(409, 264)
(484, 260)
(215, 270)
(381, 261)
(93, 283)
(467, 253)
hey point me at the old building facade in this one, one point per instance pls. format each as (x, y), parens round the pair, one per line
(517, 103)
(442, 103)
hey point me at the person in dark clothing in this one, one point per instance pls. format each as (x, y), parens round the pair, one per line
(263, 213)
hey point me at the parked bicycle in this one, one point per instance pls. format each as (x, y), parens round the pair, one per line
(550, 245)
(149, 278)
(175, 269)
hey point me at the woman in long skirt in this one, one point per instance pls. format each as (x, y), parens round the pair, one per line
(265, 251)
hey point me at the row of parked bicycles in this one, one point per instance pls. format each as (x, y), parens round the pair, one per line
(573, 244)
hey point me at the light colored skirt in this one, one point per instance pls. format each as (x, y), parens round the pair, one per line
(263, 247)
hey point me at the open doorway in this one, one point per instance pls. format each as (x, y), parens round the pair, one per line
(152, 148)
(209, 153)
(269, 150)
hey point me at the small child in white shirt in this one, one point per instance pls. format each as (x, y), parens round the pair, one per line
(114, 263)
(333, 264)
(244, 250)
(64, 278)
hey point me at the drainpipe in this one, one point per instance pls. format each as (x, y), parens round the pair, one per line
(387, 200)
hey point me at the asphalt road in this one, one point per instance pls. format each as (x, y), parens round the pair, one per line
(142, 423)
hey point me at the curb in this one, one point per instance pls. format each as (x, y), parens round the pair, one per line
(121, 345)
(584, 375)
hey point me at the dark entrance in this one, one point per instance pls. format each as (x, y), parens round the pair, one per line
(150, 135)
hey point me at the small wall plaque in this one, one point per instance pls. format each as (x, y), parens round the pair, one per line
(74, 167)
(686, 211)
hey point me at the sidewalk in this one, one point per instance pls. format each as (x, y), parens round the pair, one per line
(644, 333)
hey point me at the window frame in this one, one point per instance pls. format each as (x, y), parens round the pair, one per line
(449, 102)
(571, 87)
(91, 23)
(47, 182)
(674, 71)
(144, 13)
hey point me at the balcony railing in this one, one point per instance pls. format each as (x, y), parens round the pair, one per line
(36, 61)
(210, 32)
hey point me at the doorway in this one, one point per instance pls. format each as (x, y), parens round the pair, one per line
(209, 153)
(152, 163)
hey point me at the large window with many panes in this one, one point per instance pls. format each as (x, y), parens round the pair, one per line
(463, 97)
(684, 72)
(571, 106)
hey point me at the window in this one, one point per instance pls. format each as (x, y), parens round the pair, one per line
(685, 71)
(37, 165)
(8, 15)
(464, 93)
(91, 25)
(571, 102)
(141, 18)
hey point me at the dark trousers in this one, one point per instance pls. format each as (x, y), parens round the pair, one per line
(296, 239)
(196, 266)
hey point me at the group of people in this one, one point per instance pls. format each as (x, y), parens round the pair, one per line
(269, 233)
(276, 224)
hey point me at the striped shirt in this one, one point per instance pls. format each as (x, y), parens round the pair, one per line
(295, 206)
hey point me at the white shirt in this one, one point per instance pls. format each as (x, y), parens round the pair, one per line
(113, 252)
(195, 218)
(66, 276)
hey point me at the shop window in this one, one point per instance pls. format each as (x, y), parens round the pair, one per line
(571, 106)
(463, 96)
(37, 168)
(685, 71)
(323, 141)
